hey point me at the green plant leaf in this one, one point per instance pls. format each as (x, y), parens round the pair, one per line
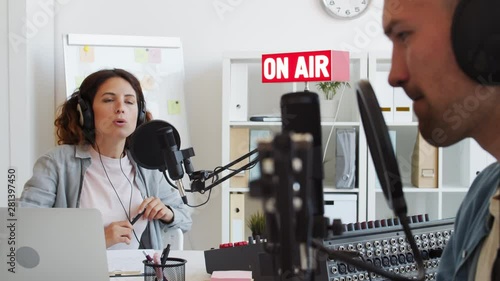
(330, 88)
(257, 223)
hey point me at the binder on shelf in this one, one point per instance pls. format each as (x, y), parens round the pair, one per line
(238, 102)
(403, 109)
(237, 217)
(424, 166)
(385, 94)
(345, 168)
(255, 137)
(238, 147)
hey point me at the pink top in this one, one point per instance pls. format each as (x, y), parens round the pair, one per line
(98, 191)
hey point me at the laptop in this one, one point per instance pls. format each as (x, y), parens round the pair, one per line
(52, 244)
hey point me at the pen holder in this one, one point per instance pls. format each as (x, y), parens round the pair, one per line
(173, 270)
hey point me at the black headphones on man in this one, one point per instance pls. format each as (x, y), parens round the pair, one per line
(86, 113)
(475, 35)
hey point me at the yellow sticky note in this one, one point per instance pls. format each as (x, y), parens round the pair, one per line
(174, 107)
(141, 55)
(78, 81)
(87, 54)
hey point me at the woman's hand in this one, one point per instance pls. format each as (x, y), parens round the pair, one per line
(118, 232)
(154, 209)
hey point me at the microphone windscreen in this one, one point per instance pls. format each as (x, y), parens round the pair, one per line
(145, 147)
(300, 113)
(379, 143)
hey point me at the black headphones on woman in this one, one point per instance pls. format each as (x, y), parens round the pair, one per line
(475, 35)
(86, 113)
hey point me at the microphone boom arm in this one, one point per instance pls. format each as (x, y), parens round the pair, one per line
(199, 178)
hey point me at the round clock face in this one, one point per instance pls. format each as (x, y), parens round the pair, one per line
(346, 9)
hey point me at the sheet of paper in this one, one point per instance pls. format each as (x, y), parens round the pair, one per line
(127, 261)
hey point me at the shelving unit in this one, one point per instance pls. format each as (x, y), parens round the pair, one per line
(457, 166)
(245, 95)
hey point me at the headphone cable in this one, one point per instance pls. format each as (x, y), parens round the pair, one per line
(118, 196)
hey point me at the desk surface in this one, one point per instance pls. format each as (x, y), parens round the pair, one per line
(195, 265)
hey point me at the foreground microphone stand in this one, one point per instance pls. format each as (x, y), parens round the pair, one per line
(285, 187)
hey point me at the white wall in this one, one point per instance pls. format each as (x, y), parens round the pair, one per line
(207, 30)
(4, 95)
(40, 73)
(28, 79)
(20, 116)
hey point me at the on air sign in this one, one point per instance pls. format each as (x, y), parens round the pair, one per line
(327, 65)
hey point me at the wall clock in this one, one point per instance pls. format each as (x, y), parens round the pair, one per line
(346, 9)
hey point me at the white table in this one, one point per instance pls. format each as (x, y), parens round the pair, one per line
(129, 260)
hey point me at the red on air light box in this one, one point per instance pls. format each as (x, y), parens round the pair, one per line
(326, 65)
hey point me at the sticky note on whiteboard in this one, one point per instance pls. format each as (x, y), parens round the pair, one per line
(148, 83)
(87, 54)
(154, 55)
(141, 55)
(78, 81)
(174, 107)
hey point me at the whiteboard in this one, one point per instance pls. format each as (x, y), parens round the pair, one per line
(157, 62)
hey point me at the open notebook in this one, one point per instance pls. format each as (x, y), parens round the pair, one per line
(52, 244)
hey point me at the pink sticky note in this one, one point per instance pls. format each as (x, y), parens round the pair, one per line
(154, 55)
(231, 275)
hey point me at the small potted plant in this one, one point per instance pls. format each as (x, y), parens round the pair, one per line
(328, 105)
(330, 88)
(257, 224)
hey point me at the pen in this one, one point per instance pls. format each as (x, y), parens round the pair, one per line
(164, 255)
(136, 218)
(147, 257)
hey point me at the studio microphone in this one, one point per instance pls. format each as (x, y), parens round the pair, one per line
(154, 145)
(172, 157)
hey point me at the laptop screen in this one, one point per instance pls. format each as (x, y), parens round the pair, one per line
(52, 244)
